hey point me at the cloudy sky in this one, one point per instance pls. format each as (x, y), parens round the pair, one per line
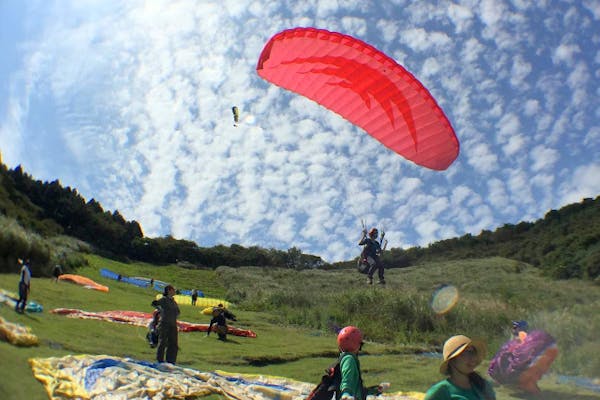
(130, 103)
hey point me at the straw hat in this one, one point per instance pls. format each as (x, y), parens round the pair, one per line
(456, 345)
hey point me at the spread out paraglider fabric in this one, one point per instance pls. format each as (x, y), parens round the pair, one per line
(141, 281)
(139, 318)
(10, 299)
(200, 302)
(107, 377)
(365, 86)
(17, 334)
(83, 281)
(522, 361)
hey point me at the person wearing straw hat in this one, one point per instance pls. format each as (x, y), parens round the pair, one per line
(461, 356)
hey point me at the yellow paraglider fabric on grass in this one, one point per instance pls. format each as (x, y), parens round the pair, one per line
(200, 302)
(106, 377)
(17, 334)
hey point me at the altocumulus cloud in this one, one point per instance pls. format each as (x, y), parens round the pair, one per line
(131, 104)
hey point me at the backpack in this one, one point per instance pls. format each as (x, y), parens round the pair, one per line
(329, 386)
(361, 264)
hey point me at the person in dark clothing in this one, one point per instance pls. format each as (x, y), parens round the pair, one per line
(220, 317)
(194, 296)
(24, 286)
(152, 335)
(167, 326)
(370, 255)
(56, 272)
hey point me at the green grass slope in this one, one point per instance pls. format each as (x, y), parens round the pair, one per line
(292, 313)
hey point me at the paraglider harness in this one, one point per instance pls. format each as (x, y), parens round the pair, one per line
(362, 264)
(152, 335)
(330, 383)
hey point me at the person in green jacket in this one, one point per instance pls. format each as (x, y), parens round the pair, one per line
(350, 341)
(461, 356)
(167, 326)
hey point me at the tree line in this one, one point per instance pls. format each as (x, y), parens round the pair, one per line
(49, 209)
(564, 244)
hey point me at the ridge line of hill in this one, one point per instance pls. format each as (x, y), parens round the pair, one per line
(564, 244)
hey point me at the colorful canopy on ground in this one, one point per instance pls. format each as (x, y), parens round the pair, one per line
(83, 281)
(139, 318)
(141, 281)
(10, 299)
(17, 334)
(200, 302)
(523, 360)
(103, 377)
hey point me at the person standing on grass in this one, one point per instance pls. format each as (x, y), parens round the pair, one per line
(56, 272)
(167, 326)
(24, 286)
(194, 296)
(461, 356)
(370, 255)
(350, 342)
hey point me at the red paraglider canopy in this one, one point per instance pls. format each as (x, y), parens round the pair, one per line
(366, 87)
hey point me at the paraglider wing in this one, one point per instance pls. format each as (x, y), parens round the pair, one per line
(523, 362)
(236, 115)
(366, 87)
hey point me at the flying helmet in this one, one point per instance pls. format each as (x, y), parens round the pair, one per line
(350, 339)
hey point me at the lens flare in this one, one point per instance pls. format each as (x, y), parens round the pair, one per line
(444, 298)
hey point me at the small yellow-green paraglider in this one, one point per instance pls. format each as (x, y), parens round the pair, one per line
(236, 115)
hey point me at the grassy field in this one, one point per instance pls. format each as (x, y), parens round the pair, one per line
(293, 314)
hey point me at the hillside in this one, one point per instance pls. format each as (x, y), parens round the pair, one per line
(564, 244)
(294, 314)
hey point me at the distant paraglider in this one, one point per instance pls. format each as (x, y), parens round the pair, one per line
(236, 115)
(365, 86)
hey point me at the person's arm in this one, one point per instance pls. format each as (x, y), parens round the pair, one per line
(350, 378)
(212, 321)
(230, 315)
(363, 238)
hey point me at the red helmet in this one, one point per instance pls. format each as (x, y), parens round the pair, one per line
(373, 232)
(350, 339)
